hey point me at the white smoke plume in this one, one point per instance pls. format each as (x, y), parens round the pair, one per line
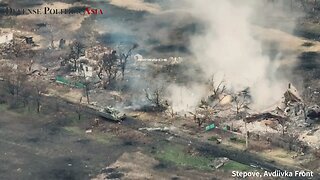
(186, 98)
(229, 50)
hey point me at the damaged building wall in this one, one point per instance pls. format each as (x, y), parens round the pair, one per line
(85, 70)
(97, 52)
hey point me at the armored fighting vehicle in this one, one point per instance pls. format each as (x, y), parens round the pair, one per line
(111, 114)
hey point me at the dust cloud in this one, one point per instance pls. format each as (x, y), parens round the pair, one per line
(229, 49)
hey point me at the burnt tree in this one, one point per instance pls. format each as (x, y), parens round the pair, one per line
(156, 97)
(76, 50)
(39, 89)
(87, 86)
(110, 66)
(202, 115)
(124, 59)
(15, 80)
(241, 101)
(79, 109)
(215, 89)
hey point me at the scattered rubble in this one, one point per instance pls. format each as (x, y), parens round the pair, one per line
(96, 52)
(110, 173)
(265, 116)
(29, 40)
(88, 131)
(314, 112)
(292, 95)
(162, 129)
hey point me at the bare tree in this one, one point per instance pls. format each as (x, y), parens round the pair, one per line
(26, 95)
(247, 133)
(199, 120)
(156, 97)
(76, 50)
(110, 66)
(79, 109)
(241, 101)
(202, 115)
(7, 76)
(209, 104)
(124, 59)
(87, 86)
(215, 89)
(216, 95)
(39, 89)
(15, 83)
(15, 80)
(171, 112)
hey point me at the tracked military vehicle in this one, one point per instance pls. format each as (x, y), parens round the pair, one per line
(111, 113)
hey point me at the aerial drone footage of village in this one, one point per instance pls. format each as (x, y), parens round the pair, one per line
(159, 89)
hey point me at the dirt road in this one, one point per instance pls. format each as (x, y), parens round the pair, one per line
(54, 146)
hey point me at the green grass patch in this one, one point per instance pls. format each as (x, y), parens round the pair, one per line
(213, 138)
(102, 138)
(99, 137)
(178, 156)
(3, 107)
(28, 111)
(235, 166)
(74, 130)
(73, 118)
(237, 140)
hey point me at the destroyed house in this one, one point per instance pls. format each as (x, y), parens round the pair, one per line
(84, 67)
(85, 70)
(292, 94)
(96, 52)
(29, 40)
